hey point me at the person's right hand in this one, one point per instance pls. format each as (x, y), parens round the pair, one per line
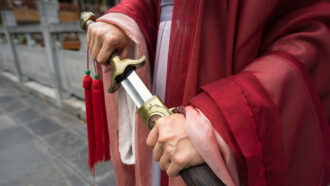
(103, 39)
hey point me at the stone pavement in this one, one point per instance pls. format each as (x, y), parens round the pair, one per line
(42, 145)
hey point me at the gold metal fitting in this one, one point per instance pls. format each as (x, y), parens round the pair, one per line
(86, 18)
(152, 110)
(121, 68)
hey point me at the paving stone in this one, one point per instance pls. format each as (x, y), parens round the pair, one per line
(25, 97)
(6, 99)
(26, 115)
(81, 131)
(25, 160)
(35, 102)
(109, 180)
(8, 90)
(103, 168)
(50, 111)
(66, 120)
(20, 159)
(13, 136)
(6, 122)
(2, 85)
(39, 176)
(46, 108)
(44, 126)
(11, 92)
(69, 174)
(13, 107)
(80, 161)
(4, 93)
(64, 142)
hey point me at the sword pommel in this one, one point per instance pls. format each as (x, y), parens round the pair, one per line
(86, 18)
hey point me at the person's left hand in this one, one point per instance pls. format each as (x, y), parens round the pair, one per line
(172, 146)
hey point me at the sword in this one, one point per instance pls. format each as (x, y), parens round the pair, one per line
(150, 107)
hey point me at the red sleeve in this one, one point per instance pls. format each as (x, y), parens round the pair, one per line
(274, 120)
(146, 14)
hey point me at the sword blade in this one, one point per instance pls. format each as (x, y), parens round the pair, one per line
(136, 89)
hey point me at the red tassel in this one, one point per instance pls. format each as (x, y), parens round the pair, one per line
(102, 142)
(87, 84)
(97, 128)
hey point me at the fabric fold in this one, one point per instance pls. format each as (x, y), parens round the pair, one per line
(216, 153)
(131, 156)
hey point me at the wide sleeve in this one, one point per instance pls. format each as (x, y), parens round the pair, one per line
(273, 113)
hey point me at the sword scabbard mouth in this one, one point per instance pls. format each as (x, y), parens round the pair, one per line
(121, 69)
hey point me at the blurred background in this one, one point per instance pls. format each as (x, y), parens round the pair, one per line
(42, 112)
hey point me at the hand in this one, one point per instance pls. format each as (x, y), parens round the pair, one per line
(172, 147)
(103, 39)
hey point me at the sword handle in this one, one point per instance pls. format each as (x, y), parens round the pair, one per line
(200, 175)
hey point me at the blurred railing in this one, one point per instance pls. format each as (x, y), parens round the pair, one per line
(36, 52)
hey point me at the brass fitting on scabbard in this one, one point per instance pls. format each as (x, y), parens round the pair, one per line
(152, 110)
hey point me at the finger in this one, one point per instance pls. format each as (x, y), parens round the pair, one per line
(153, 136)
(178, 162)
(104, 54)
(89, 35)
(164, 161)
(124, 53)
(173, 169)
(158, 151)
(164, 132)
(96, 48)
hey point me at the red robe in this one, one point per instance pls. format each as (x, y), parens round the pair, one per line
(259, 71)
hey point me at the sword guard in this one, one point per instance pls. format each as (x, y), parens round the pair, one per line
(121, 69)
(152, 110)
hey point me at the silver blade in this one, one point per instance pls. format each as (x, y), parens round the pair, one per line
(136, 89)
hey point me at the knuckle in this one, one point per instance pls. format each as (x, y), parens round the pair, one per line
(163, 138)
(98, 34)
(179, 160)
(161, 121)
(169, 149)
(109, 39)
